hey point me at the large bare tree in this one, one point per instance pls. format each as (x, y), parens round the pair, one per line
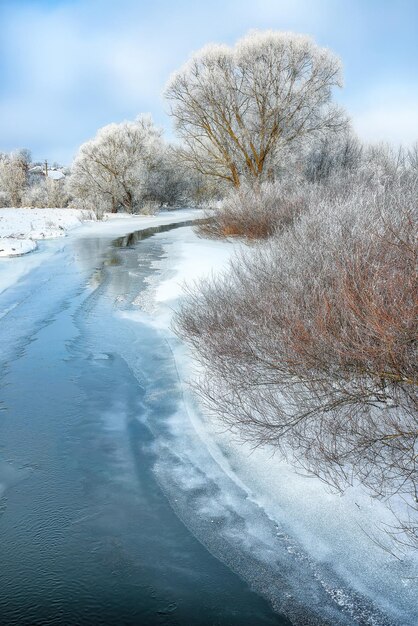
(235, 107)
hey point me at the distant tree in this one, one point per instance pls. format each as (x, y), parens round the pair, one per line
(234, 108)
(113, 169)
(14, 175)
(22, 156)
(46, 192)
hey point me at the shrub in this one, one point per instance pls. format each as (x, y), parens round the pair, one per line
(254, 212)
(310, 342)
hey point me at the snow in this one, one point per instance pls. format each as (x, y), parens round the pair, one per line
(10, 246)
(331, 532)
(194, 263)
(37, 169)
(21, 228)
(118, 224)
(56, 174)
(190, 260)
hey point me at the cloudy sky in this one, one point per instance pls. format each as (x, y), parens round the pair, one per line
(68, 67)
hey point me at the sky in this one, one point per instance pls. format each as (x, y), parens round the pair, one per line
(68, 67)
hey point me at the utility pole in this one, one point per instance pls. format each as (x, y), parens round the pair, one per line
(46, 168)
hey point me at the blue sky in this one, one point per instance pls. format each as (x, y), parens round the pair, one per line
(68, 67)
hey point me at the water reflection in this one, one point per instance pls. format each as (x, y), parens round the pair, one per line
(133, 238)
(95, 255)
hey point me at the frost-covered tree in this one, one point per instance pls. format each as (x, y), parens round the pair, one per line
(166, 182)
(173, 183)
(235, 108)
(113, 170)
(46, 192)
(14, 175)
(333, 155)
(412, 158)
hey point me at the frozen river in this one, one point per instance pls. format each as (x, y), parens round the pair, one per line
(113, 510)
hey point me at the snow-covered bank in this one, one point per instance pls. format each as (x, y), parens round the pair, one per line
(71, 222)
(11, 246)
(21, 228)
(189, 259)
(115, 225)
(337, 538)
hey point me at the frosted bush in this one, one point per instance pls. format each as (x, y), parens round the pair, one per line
(309, 342)
(14, 176)
(4, 199)
(46, 193)
(255, 211)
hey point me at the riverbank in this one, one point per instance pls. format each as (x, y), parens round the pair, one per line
(340, 537)
(22, 228)
(42, 232)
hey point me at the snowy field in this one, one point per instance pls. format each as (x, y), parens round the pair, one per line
(20, 229)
